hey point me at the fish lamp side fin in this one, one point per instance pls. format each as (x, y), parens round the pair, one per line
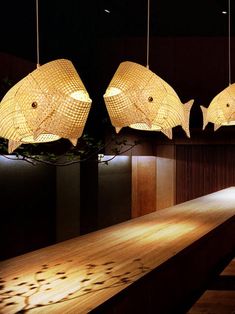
(204, 114)
(74, 141)
(167, 132)
(187, 107)
(216, 126)
(13, 145)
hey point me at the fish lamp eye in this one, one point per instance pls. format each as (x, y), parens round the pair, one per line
(150, 99)
(227, 105)
(34, 105)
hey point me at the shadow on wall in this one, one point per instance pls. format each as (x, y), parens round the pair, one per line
(27, 207)
(114, 191)
(42, 205)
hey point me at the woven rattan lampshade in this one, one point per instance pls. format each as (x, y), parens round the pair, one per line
(221, 110)
(49, 103)
(138, 98)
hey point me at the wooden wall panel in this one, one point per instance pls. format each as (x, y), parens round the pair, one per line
(202, 169)
(165, 176)
(143, 185)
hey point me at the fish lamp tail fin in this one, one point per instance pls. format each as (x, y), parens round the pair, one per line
(204, 114)
(187, 108)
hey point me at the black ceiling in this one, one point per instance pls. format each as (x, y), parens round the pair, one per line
(68, 25)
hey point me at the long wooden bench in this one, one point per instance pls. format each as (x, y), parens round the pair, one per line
(152, 264)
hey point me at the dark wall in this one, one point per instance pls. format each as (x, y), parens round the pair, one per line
(41, 202)
(27, 207)
(88, 196)
(203, 169)
(114, 191)
(67, 202)
(41, 205)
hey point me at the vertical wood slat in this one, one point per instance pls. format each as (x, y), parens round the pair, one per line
(203, 169)
(143, 185)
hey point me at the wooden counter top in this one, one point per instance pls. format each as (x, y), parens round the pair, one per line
(77, 275)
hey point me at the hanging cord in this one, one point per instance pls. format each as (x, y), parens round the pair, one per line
(37, 30)
(148, 22)
(229, 42)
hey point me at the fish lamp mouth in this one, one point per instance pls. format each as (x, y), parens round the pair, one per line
(145, 127)
(229, 123)
(42, 138)
(230, 120)
(112, 91)
(80, 95)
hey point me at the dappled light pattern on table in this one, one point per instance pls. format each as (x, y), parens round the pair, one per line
(53, 284)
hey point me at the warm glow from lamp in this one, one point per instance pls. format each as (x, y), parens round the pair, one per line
(170, 231)
(112, 91)
(229, 123)
(138, 98)
(40, 139)
(145, 127)
(80, 95)
(49, 103)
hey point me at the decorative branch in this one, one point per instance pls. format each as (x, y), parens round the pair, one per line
(89, 149)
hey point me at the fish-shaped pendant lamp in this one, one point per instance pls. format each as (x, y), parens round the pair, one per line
(49, 103)
(221, 110)
(138, 98)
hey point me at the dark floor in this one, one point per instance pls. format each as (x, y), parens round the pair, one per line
(220, 296)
